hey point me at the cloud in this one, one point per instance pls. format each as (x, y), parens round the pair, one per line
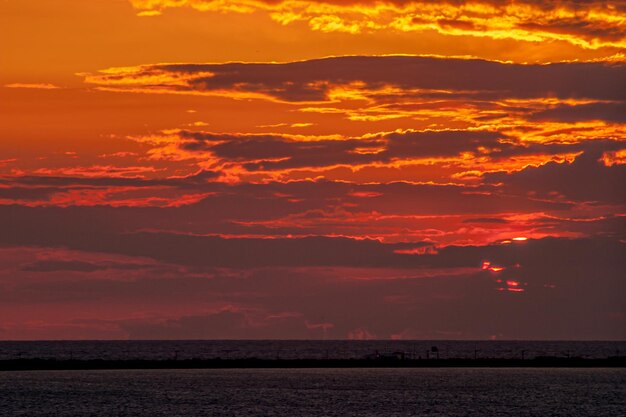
(505, 116)
(486, 220)
(499, 110)
(444, 143)
(585, 179)
(590, 25)
(26, 193)
(394, 211)
(270, 152)
(314, 80)
(39, 86)
(122, 231)
(264, 153)
(35, 190)
(213, 251)
(611, 112)
(51, 265)
(443, 293)
(419, 184)
(200, 177)
(275, 152)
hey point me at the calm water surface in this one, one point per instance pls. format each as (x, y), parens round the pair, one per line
(316, 392)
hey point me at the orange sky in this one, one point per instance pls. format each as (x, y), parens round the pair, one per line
(416, 138)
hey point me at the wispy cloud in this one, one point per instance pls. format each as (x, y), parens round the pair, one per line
(40, 86)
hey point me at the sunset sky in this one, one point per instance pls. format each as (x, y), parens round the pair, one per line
(310, 169)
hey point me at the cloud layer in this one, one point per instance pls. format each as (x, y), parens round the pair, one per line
(276, 186)
(315, 80)
(589, 24)
(531, 290)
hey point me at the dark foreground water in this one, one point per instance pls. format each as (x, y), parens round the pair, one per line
(316, 392)
(302, 349)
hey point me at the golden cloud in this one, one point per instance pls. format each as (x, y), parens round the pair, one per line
(590, 25)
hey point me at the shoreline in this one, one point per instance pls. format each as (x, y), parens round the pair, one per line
(254, 363)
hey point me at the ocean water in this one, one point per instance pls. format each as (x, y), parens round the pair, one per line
(316, 392)
(307, 349)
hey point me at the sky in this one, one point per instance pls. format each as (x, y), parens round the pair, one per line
(312, 169)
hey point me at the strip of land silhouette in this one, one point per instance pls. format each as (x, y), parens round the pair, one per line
(254, 363)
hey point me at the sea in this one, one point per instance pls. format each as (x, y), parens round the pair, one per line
(376, 392)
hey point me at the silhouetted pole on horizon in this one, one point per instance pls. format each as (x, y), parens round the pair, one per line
(435, 349)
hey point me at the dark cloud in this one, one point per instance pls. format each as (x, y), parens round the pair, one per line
(26, 193)
(405, 198)
(155, 286)
(86, 230)
(211, 251)
(247, 201)
(276, 152)
(443, 143)
(270, 152)
(597, 146)
(585, 179)
(612, 112)
(48, 266)
(76, 266)
(611, 225)
(283, 302)
(273, 152)
(230, 207)
(312, 80)
(44, 189)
